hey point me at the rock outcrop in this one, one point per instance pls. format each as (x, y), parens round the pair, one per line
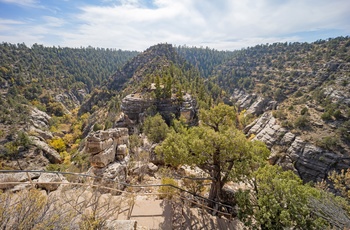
(52, 155)
(253, 103)
(112, 176)
(39, 119)
(109, 152)
(50, 182)
(107, 146)
(312, 163)
(72, 99)
(135, 105)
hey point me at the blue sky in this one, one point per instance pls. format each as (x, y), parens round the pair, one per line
(138, 24)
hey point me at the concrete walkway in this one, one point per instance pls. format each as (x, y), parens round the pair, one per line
(152, 214)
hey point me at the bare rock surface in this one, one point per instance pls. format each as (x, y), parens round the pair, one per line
(52, 155)
(253, 103)
(39, 119)
(45, 181)
(135, 105)
(311, 162)
(109, 150)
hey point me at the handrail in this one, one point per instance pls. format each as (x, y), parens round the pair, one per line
(125, 184)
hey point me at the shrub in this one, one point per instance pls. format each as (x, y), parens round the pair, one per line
(301, 121)
(97, 127)
(328, 142)
(304, 111)
(155, 128)
(326, 116)
(298, 94)
(337, 114)
(58, 144)
(167, 191)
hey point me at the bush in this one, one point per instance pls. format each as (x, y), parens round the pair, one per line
(301, 121)
(155, 128)
(328, 142)
(58, 144)
(337, 114)
(97, 127)
(304, 111)
(326, 116)
(167, 191)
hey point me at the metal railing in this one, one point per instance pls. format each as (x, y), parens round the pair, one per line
(195, 199)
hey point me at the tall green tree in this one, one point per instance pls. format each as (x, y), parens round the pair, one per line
(217, 147)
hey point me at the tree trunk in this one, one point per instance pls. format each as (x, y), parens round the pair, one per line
(215, 189)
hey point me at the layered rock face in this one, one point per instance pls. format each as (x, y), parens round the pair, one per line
(253, 103)
(109, 151)
(38, 129)
(72, 99)
(312, 163)
(135, 105)
(107, 146)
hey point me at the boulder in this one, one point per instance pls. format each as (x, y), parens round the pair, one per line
(43, 135)
(96, 146)
(103, 158)
(48, 181)
(106, 146)
(122, 152)
(254, 104)
(52, 155)
(39, 119)
(113, 176)
(120, 224)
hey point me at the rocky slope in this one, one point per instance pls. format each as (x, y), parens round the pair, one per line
(311, 162)
(306, 87)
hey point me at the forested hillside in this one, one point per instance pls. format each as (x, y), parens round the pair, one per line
(241, 131)
(204, 59)
(309, 81)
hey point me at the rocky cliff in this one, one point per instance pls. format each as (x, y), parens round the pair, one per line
(253, 103)
(289, 150)
(136, 105)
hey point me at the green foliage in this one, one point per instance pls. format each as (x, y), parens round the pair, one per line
(217, 147)
(194, 186)
(337, 114)
(328, 142)
(279, 200)
(218, 117)
(166, 191)
(302, 122)
(204, 58)
(97, 127)
(155, 128)
(135, 141)
(326, 116)
(344, 130)
(304, 111)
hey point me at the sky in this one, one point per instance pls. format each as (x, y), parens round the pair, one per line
(139, 24)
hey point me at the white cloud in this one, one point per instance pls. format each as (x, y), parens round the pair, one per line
(218, 24)
(221, 24)
(31, 3)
